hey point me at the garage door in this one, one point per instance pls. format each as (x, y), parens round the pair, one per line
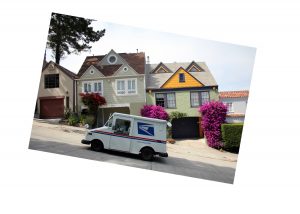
(51, 108)
(186, 127)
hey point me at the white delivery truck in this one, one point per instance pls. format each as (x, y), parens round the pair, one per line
(132, 134)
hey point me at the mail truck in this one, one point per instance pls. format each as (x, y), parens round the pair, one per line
(129, 133)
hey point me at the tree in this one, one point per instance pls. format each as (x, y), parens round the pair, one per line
(213, 115)
(92, 101)
(70, 34)
(154, 111)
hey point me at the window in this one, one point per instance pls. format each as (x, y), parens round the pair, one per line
(166, 100)
(121, 87)
(194, 69)
(109, 122)
(112, 59)
(125, 69)
(122, 127)
(126, 86)
(181, 78)
(67, 102)
(199, 98)
(229, 107)
(52, 81)
(93, 86)
(204, 97)
(131, 86)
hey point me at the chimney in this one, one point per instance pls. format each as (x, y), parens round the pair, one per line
(137, 50)
(148, 60)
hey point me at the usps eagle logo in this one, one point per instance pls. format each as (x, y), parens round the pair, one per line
(145, 129)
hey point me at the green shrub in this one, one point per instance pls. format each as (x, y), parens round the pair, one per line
(82, 119)
(231, 135)
(176, 115)
(73, 119)
(67, 113)
(90, 119)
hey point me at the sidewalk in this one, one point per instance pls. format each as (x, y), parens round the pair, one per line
(54, 124)
(198, 150)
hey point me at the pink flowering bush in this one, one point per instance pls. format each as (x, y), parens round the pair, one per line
(154, 111)
(213, 115)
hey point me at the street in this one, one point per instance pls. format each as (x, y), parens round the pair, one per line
(66, 140)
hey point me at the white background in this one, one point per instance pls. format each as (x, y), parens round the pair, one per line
(267, 176)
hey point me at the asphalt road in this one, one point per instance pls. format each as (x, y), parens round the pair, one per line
(67, 142)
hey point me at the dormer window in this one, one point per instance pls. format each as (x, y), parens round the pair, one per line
(112, 59)
(181, 77)
(193, 69)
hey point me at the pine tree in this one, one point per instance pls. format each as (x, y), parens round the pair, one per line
(70, 34)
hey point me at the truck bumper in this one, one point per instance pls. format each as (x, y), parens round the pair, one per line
(162, 154)
(85, 142)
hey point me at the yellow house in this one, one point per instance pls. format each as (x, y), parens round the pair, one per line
(181, 87)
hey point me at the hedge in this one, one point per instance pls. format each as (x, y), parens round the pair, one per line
(231, 135)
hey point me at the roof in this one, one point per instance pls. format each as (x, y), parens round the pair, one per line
(63, 69)
(156, 80)
(233, 94)
(134, 60)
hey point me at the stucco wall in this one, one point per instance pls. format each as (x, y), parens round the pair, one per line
(239, 104)
(183, 103)
(65, 86)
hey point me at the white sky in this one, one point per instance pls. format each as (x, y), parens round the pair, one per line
(230, 64)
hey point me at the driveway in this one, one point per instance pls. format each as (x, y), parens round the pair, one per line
(186, 157)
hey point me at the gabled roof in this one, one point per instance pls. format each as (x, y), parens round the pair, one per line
(63, 69)
(163, 66)
(233, 94)
(194, 64)
(134, 60)
(156, 80)
(178, 70)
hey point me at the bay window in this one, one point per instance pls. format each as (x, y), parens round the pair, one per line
(126, 86)
(93, 86)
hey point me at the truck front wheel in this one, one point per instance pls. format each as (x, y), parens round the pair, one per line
(147, 154)
(97, 145)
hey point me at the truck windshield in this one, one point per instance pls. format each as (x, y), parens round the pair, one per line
(109, 122)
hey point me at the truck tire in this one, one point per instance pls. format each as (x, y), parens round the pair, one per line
(147, 154)
(97, 145)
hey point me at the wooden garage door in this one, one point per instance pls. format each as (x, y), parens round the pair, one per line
(52, 108)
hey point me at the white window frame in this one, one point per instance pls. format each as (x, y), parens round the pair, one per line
(92, 86)
(126, 91)
(229, 110)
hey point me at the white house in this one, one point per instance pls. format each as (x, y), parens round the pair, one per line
(236, 102)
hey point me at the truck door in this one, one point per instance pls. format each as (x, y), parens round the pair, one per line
(120, 140)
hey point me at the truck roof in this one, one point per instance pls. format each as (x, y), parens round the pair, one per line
(140, 118)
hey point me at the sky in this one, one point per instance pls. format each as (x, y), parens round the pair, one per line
(230, 64)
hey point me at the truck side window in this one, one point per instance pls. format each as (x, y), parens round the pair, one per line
(122, 126)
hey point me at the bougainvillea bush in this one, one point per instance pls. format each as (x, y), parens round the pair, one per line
(154, 111)
(213, 115)
(92, 101)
